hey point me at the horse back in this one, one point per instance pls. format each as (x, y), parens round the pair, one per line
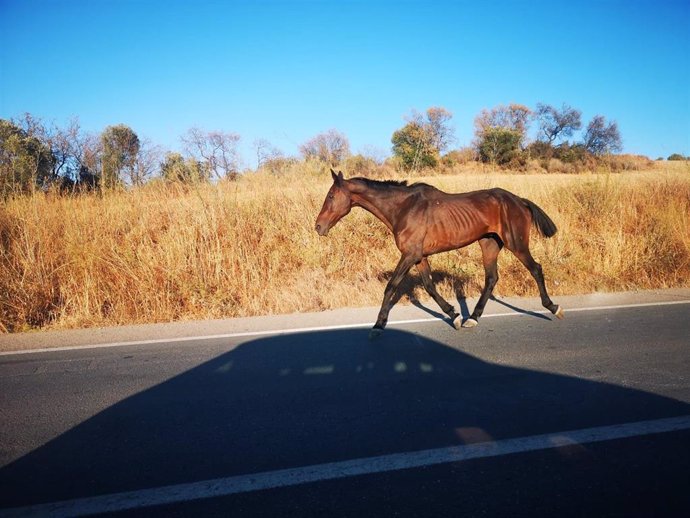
(456, 220)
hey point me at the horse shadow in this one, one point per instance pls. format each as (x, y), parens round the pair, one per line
(412, 284)
(305, 399)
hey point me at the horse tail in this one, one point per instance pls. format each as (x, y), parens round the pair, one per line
(541, 221)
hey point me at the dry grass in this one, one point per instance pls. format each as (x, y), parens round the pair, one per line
(165, 253)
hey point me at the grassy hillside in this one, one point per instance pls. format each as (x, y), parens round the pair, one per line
(162, 253)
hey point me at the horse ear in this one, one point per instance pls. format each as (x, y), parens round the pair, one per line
(337, 178)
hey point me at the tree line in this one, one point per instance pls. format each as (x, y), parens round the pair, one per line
(37, 155)
(501, 136)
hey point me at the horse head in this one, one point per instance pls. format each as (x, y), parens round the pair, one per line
(337, 205)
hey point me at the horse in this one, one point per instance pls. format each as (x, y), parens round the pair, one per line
(425, 221)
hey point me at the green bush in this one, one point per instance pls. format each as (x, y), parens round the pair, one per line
(499, 145)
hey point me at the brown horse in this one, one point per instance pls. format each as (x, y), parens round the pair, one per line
(426, 221)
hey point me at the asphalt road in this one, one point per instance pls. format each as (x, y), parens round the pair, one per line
(140, 418)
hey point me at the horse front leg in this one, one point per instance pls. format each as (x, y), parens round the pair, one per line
(425, 271)
(491, 246)
(404, 265)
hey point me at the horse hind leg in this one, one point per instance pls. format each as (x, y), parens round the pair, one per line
(535, 269)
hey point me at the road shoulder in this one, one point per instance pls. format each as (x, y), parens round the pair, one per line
(346, 317)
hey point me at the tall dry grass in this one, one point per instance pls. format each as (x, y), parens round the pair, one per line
(163, 253)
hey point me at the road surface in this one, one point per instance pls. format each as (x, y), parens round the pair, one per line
(303, 415)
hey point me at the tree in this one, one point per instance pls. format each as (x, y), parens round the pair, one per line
(175, 168)
(120, 148)
(554, 124)
(90, 171)
(499, 145)
(441, 134)
(421, 141)
(147, 161)
(216, 150)
(331, 147)
(25, 161)
(602, 137)
(514, 117)
(500, 132)
(413, 145)
(265, 152)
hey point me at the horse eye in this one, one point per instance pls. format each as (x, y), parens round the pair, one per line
(330, 196)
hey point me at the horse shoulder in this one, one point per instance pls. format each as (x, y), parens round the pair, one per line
(410, 228)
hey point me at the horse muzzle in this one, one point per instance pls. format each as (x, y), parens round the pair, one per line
(321, 229)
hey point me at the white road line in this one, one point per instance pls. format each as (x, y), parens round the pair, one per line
(248, 334)
(221, 487)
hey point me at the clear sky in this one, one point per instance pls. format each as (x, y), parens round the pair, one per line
(285, 71)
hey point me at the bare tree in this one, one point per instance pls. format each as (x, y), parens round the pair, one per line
(216, 150)
(331, 147)
(602, 137)
(514, 117)
(554, 124)
(376, 154)
(67, 147)
(265, 152)
(442, 135)
(91, 167)
(146, 164)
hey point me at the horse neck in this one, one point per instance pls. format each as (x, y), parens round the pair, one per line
(382, 203)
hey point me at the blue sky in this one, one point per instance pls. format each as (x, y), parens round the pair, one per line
(285, 71)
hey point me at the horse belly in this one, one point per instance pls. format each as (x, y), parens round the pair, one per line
(449, 229)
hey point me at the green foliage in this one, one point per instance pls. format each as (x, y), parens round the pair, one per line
(175, 168)
(499, 145)
(359, 165)
(25, 161)
(514, 117)
(678, 156)
(571, 154)
(419, 143)
(120, 149)
(459, 157)
(413, 146)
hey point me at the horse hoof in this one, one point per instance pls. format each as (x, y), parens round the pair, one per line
(457, 322)
(559, 313)
(375, 333)
(470, 322)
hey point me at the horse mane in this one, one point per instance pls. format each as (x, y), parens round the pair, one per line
(384, 184)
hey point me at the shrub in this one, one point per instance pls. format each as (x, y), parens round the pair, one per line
(628, 162)
(499, 145)
(459, 157)
(359, 165)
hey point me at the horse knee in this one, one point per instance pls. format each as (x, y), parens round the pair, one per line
(493, 279)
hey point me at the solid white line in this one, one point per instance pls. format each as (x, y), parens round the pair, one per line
(221, 487)
(247, 334)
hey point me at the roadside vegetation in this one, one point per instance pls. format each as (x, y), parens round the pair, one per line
(107, 229)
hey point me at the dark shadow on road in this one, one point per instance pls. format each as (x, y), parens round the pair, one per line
(304, 399)
(519, 310)
(413, 282)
